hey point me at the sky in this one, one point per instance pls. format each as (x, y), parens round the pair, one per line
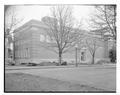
(81, 13)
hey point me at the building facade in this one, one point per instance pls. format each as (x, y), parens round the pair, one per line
(29, 41)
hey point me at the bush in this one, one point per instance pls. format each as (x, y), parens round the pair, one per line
(23, 63)
(32, 64)
(64, 63)
(48, 63)
(112, 55)
(55, 63)
(11, 62)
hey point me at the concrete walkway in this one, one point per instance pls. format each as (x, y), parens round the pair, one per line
(20, 67)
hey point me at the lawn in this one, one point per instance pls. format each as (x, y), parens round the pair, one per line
(83, 78)
(27, 82)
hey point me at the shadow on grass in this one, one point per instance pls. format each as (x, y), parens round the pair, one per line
(26, 83)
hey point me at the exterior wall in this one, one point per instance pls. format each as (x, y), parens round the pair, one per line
(99, 55)
(69, 56)
(38, 52)
(22, 45)
(29, 48)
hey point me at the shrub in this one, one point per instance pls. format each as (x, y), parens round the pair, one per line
(23, 63)
(48, 63)
(55, 63)
(11, 62)
(64, 63)
(32, 64)
(112, 55)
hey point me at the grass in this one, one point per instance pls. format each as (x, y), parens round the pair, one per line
(26, 82)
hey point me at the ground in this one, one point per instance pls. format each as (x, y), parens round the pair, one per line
(26, 82)
(82, 78)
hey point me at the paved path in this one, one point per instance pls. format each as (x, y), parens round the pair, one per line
(103, 77)
(47, 67)
(35, 67)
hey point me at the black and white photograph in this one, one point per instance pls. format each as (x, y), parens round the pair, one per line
(60, 48)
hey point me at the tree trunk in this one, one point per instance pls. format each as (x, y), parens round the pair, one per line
(93, 58)
(76, 57)
(60, 58)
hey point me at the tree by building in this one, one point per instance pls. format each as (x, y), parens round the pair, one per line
(60, 30)
(11, 21)
(104, 21)
(93, 43)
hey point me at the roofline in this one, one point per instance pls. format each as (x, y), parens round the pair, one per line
(24, 25)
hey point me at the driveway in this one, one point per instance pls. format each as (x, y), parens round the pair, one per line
(102, 77)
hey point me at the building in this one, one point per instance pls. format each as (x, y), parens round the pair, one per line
(29, 41)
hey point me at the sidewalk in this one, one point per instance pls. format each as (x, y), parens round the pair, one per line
(49, 67)
(35, 67)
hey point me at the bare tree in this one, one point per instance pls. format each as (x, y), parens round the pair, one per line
(93, 44)
(104, 21)
(60, 30)
(11, 21)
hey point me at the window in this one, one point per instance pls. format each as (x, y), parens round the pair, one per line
(21, 53)
(26, 55)
(82, 56)
(18, 54)
(42, 38)
(48, 39)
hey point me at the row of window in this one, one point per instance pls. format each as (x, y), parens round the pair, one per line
(43, 38)
(20, 42)
(22, 54)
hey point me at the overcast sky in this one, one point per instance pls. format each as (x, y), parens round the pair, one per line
(28, 12)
